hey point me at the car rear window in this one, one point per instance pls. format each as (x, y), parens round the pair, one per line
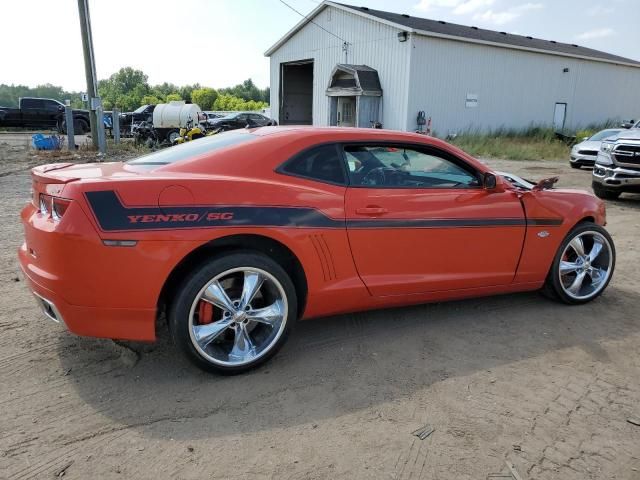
(193, 149)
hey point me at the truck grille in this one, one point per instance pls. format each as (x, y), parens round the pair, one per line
(593, 153)
(627, 154)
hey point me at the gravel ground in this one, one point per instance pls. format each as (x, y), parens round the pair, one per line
(518, 379)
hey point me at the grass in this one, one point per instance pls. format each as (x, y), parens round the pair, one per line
(533, 143)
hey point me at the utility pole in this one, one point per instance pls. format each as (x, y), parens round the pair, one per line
(89, 69)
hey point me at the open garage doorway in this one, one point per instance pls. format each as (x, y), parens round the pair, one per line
(296, 93)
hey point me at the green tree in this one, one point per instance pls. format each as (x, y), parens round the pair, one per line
(124, 89)
(150, 100)
(173, 97)
(204, 97)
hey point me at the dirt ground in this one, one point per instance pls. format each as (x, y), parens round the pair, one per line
(519, 379)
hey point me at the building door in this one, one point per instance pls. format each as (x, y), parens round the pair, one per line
(296, 93)
(559, 116)
(346, 111)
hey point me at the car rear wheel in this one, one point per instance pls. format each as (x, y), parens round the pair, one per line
(583, 265)
(604, 193)
(234, 312)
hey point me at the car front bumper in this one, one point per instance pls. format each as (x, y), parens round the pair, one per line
(582, 160)
(616, 178)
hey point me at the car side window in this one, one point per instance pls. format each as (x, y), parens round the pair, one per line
(322, 163)
(398, 166)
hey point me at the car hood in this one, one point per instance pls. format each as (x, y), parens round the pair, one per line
(632, 134)
(588, 145)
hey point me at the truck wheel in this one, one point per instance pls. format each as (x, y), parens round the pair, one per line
(172, 135)
(80, 127)
(583, 265)
(233, 312)
(604, 193)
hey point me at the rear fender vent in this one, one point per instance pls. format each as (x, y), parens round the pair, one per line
(324, 255)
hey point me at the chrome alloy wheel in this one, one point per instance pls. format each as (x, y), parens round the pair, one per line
(238, 316)
(585, 265)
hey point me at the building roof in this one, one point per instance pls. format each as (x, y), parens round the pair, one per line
(365, 78)
(425, 26)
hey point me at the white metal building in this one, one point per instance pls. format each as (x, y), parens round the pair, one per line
(351, 66)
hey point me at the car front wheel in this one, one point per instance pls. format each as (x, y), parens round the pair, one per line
(583, 265)
(234, 312)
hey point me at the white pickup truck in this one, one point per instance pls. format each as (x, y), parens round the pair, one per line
(617, 168)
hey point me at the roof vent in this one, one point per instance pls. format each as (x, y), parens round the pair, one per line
(530, 38)
(503, 33)
(442, 22)
(574, 45)
(364, 8)
(405, 15)
(475, 28)
(553, 41)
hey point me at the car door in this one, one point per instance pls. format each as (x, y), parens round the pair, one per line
(419, 220)
(32, 112)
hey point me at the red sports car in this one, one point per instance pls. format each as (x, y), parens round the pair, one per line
(237, 236)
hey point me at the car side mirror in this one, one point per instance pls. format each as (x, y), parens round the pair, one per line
(489, 181)
(585, 138)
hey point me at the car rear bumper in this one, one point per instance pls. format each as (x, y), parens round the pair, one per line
(103, 322)
(616, 178)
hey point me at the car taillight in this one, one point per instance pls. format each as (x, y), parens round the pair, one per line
(59, 206)
(44, 204)
(53, 207)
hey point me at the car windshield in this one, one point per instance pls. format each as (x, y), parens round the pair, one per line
(231, 115)
(605, 134)
(193, 148)
(140, 109)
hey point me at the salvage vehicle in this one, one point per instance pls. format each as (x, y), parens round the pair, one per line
(617, 168)
(237, 120)
(235, 237)
(43, 113)
(584, 154)
(128, 120)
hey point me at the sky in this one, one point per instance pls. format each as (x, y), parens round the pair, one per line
(220, 43)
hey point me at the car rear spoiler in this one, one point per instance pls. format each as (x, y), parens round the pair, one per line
(51, 173)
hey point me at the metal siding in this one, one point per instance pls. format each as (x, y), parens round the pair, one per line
(515, 89)
(372, 43)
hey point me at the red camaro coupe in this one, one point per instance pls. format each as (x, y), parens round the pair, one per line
(237, 236)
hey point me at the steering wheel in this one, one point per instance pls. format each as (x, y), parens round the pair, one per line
(374, 177)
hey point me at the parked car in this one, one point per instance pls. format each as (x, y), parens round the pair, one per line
(617, 168)
(140, 114)
(584, 153)
(43, 113)
(237, 120)
(630, 124)
(211, 117)
(238, 235)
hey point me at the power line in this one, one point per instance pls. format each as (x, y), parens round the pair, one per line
(310, 20)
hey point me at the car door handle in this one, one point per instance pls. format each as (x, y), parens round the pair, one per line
(371, 211)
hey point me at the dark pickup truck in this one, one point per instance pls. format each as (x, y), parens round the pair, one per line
(43, 113)
(141, 114)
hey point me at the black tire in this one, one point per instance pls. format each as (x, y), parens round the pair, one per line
(191, 287)
(80, 126)
(604, 193)
(575, 165)
(169, 134)
(553, 287)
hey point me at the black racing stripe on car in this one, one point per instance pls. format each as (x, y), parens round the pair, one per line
(544, 222)
(113, 216)
(435, 223)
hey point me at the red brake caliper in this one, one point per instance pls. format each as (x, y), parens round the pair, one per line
(205, 313)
